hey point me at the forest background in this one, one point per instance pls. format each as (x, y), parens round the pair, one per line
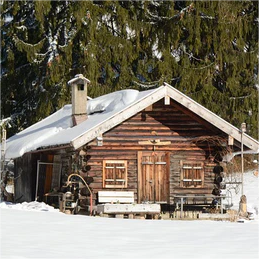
(206, 49)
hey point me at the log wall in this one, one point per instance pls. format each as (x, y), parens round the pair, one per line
(163, 123)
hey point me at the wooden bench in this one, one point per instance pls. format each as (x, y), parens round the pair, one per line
(121, 204)
(115, 197)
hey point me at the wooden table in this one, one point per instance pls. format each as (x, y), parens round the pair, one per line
(199, 196)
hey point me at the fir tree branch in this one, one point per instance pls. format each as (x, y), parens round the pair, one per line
(239, 97)
(198, 68)
(179, 15)
(147, 85)
(3, 12)
(205, 16)
(17, 40)
(190, 55)
(23, 27)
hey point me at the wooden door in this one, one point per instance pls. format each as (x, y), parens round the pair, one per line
(153, 177)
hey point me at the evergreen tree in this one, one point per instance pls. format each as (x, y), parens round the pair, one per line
(206, 49)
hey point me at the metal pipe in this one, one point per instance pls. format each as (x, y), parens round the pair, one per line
(242, 166)
(91, 194)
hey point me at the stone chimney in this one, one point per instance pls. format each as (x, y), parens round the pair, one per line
(79, 98)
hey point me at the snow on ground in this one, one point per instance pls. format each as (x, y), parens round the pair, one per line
(251, 190)
(36, 230)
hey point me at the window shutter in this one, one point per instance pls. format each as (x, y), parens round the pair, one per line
(114, 173)
(192, 174)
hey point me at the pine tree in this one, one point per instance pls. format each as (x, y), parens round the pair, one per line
(206, 49)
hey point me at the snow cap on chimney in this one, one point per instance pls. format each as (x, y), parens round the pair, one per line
(79, 98)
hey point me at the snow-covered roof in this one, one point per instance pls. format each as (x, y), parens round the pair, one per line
(78, 78)
(104, 113)
(57, 129)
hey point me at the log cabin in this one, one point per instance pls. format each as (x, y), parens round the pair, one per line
(159, 144)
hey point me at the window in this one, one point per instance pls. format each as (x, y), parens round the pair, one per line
(114, 173)
(192, 174)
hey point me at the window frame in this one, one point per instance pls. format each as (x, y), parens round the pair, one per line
(193, 168)
(106, 180)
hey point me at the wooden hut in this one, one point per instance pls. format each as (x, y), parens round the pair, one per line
(159, 144)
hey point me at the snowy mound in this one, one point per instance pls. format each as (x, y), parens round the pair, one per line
(33, 206)
(112, 101)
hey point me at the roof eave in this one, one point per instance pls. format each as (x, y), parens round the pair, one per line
(211, 117)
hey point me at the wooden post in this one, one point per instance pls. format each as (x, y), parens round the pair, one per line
(181, 215)
(221, 205)
(243, 206)
(243, 130)
(3, 149)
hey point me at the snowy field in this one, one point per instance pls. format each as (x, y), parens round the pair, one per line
(36, 230)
